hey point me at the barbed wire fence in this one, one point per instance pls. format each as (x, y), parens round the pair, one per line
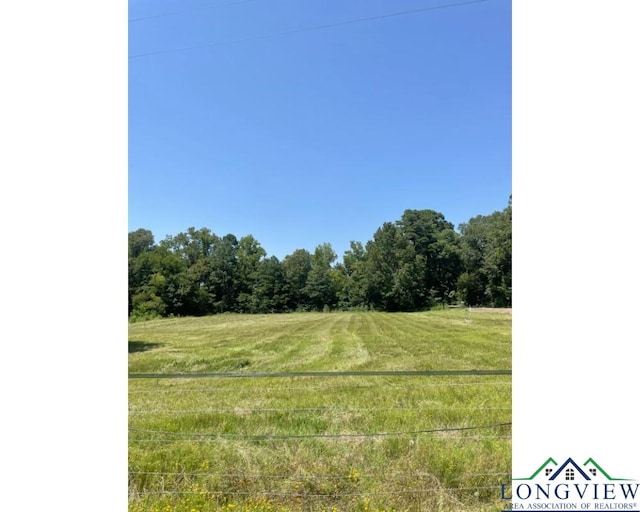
(295, 487)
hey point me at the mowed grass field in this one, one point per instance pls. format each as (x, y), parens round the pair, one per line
(314, 443)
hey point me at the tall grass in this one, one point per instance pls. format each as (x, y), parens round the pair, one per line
(318, 443)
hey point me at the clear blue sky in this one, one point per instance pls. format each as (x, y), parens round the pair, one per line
(262, 123)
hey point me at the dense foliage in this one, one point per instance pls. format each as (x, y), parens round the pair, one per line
(412, 264)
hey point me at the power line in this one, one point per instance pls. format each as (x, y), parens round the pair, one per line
(306, 29)
(206, 7)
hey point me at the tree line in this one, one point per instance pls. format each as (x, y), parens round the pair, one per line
(413, 264)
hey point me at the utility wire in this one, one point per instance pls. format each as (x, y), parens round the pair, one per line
(306, 29)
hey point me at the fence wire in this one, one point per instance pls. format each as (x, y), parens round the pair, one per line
(316, 436)
(158, 436)
(331, 495)
(181, 389)
(267, 476)
(259, 410)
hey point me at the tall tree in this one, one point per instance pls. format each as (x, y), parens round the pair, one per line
(349, 277)
(154, 282)
(224, 274)
(250, 255)
(269, 291)
(296, 267)
(437, 254)
(140, 240)
(194, 286)
(192, 245)
(386, 286)
(486, 253)
(319, 286)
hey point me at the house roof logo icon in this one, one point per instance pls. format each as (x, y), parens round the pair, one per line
(570, 470)
(569, 462)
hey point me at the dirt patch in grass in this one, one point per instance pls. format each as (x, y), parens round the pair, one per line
(489, 310)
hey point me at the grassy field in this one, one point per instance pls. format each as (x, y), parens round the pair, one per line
(314, 443)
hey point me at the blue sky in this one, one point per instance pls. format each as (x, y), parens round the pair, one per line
(261, 123)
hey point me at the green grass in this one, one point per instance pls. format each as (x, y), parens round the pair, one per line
(296, 443)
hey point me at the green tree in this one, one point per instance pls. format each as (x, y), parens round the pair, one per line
(250, 255)
(191, 286)
(269, 290)
(140, 241)
(192, 245)
(223, 277)
(386, 255)
(350, 277)
(411, 264)
(155, 282)
(319, 286)
(486, 254)
(437, 260)
(296, 267)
